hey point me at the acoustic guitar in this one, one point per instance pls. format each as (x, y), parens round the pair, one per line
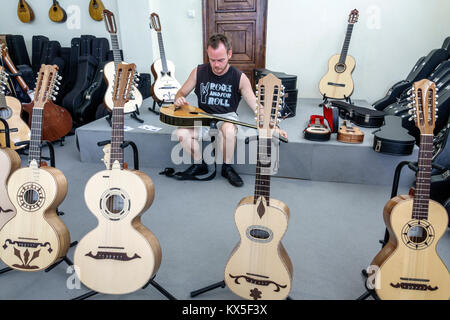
(120, 255)
(57, 13)
(24, 12)
(409, 266)
(135, 99)
(337, 83)
(10, 110)
(96, 8)
(350, 134)
(165, 86)
(36, 237)
(317, 130)
(259, 267)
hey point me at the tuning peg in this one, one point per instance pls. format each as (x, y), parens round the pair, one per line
(56, 88)
(257, 86)
(411, 111)
(59, 78)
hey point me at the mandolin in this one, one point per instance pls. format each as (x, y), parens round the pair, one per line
(165, 86)
(120, 255)
(10, 110)
(350, 134)
(36, 237)
(259, 267)
(24, 12)
(135, 100)
(96, 8)
(57, 13)
(409, 266)
(337, 83)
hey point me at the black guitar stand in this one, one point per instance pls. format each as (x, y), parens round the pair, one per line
(153, 108)
(59, 213)
(325, 100)
(6, 131)
(414, 167)
(135, 115)
(152, 281)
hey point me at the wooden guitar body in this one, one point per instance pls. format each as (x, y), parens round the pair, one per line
(36, 237)
(96, 8)
(350, 135)
(120, 255)
(9, 162)
(57, 13)
(19, 129)
(337, 83)
(165, 86)
(259, 267)
(414, 270)
(24, 12)
(132, 104)
(56, 122)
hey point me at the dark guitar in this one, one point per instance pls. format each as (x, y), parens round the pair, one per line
(57, 13)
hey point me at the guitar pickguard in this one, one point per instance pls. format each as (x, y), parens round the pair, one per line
(23, 255)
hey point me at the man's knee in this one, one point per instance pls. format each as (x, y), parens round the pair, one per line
(183, 134)
(229, 130)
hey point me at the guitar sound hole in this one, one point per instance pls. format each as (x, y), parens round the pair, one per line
(260, 234)
(340, 67)
(115, 204)
(31, 197)
(417, 234)
(5, 113)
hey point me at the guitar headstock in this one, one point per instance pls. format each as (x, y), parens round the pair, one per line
(423, 105)
(154, 22)
(353, 16)
(110, 21)
(46, 85)
(269, 97)
(123, 84)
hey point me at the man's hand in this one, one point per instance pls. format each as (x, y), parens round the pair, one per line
(181, 101)
(281, 132)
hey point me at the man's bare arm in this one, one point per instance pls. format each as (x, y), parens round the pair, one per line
(186, 89)
(247, 92)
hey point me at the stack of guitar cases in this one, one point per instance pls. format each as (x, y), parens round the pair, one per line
(289, 107)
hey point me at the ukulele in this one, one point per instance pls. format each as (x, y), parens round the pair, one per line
(259, 267)
(337, 83)
(165, 86)
(36, 237)
(57, 13)
(135, 100)
(24, 12)
(409, 266)
(10, 110)
(96, 8)
(349, 134)
(317, 130)
(120, 255)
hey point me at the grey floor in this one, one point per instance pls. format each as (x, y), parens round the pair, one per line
(333, 234)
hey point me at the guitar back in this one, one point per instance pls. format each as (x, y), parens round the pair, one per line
(337, 83)
(9, 162)
(259, 267)
(24, 12)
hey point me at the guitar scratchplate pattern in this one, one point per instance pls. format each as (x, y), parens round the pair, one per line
(26, 252)
(255, 293)
(31, 196)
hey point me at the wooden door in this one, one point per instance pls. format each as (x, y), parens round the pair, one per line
(244, 23)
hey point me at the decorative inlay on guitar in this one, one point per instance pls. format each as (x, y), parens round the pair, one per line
(36, 237)
(165, 86)
(135, 99)
(409, 266)
(337, 83)
(259, 267)
(120, 255)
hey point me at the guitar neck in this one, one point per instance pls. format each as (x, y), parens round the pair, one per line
(422, 193)
(263, 169)
(13, 69)
(116, 50)
(346, 44)
(117, 136)
(36, 136)
(162, 53)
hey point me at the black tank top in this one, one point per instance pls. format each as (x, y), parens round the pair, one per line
(217, 94)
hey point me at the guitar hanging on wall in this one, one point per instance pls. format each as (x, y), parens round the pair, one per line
(409, 266)
(135, 101)
(36, 237)
(337, 83)
(165, 86)
(57, 13)
(121, 255)
(259, 267)
(24, 12)
(96, 8)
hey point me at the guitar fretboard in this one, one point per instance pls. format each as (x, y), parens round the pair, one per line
(263, 169)
(36, 136)
(116, 50)
(162, 53)
(422, 193)
(117, 136)
(346, 43)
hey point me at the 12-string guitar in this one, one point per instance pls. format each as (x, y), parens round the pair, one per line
(337, 83)
(409, 266)
(120, 255)
(36, 237)
(165, 86)
(135, 99)
(259, 267)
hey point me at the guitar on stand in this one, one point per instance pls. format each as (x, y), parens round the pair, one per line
(337, 83)
(36, 237)
(135, 100)
(165, 86)
(409, 266)
(259, 267)
(121, 255)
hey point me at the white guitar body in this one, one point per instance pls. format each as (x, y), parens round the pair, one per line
(120, 255)
(165, 86)
(9, 162)
(109, 74)
(338, 82)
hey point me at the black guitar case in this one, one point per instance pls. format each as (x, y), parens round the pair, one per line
(86, 45)
(393, 139)
(446, 45)
(38, 43)
(422, 69)
(363, 117)
(17, 50)
(145, 82)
